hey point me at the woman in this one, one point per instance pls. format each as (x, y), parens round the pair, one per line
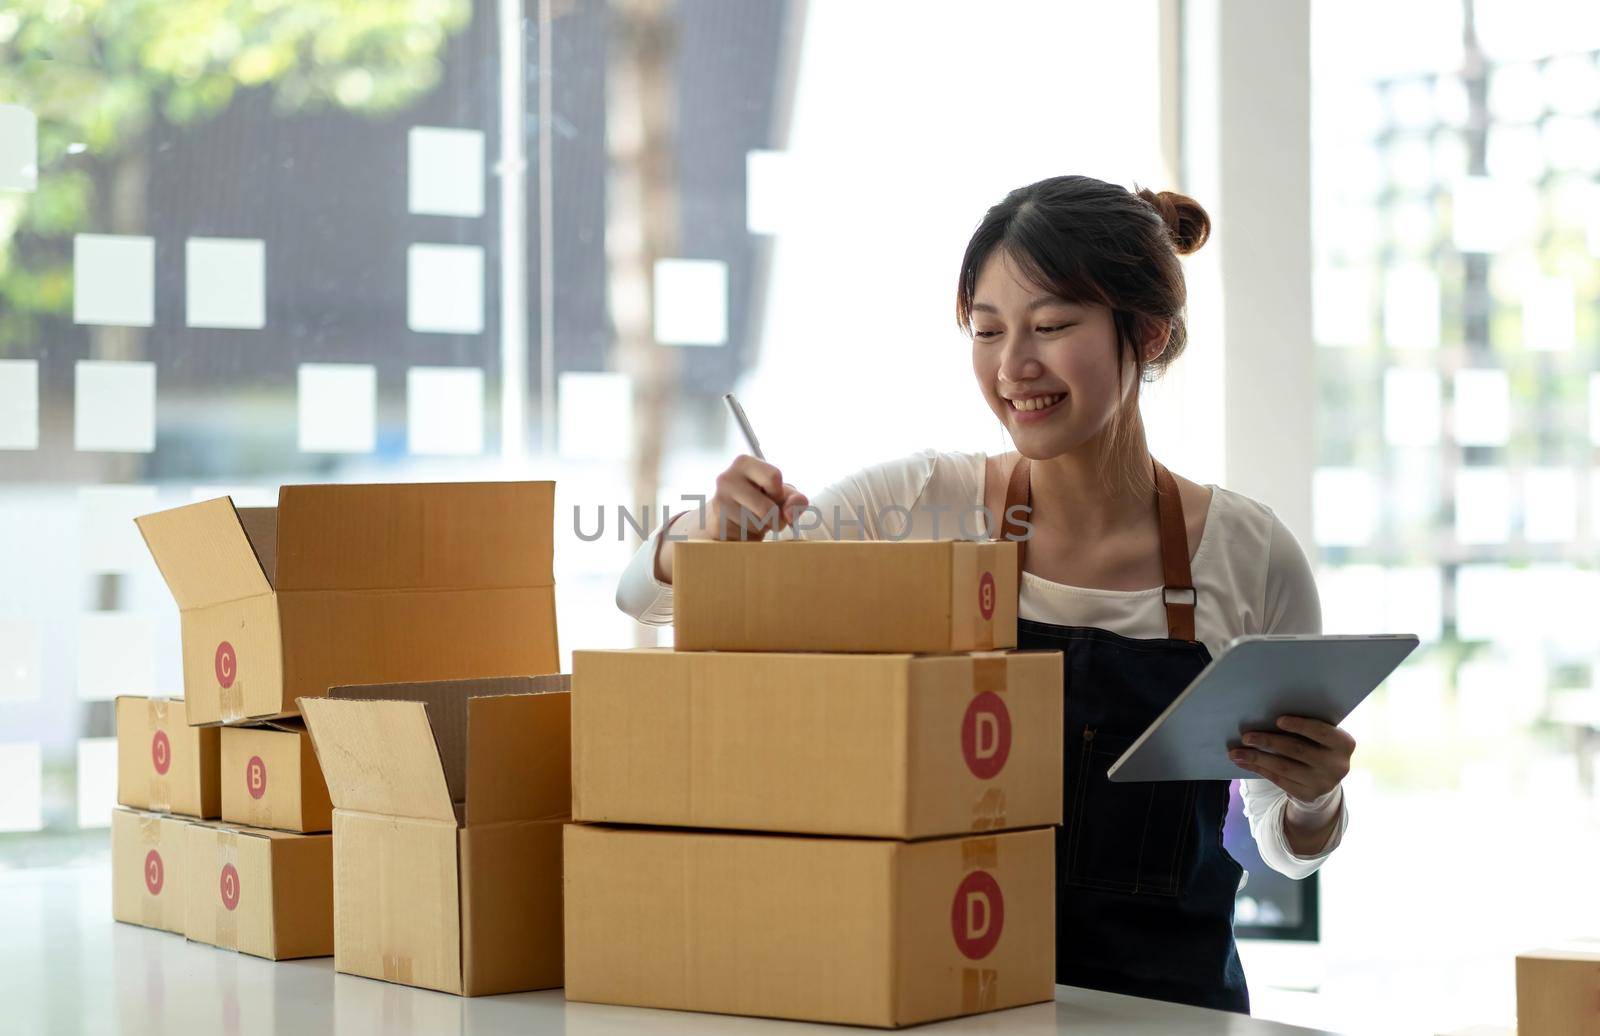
(1073, 296)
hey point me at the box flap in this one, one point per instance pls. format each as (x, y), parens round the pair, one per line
(416, 536)
(519, 758)
(379, 757)
(261, 529)
(204, 554)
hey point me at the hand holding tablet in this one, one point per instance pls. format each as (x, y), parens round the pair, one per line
(1254, 682)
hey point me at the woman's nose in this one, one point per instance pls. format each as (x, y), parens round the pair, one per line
(1018, 363)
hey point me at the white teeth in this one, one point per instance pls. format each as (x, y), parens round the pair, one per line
(1037, 402)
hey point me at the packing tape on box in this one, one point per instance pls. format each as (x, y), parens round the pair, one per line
(160, 794)
(397, 969)
(233, 703)
(980, 989)
(980, 854)
(151, 906)
(229, 889)
(989, 675)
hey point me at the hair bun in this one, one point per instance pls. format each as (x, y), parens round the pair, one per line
(1187, 223)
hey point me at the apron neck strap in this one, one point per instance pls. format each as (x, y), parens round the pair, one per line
(1178, 593)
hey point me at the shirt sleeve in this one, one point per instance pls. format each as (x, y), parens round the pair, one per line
(849, 509)
(1291, 606)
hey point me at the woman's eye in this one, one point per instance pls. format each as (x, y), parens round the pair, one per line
(985, 334)
(1053, 328)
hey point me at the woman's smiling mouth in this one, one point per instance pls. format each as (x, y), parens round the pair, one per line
(1034, 408)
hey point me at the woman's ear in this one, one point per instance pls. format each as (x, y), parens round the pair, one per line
(1154, 338)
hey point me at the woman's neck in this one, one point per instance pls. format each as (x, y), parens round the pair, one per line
(1090, 495)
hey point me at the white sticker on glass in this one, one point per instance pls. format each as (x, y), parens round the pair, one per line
(116, 655)
(596, 415)
(225, 283)
(1411, 406)
(691, 302)
(21, 777)
(19, 404)
(1482, 408)
(338, 407)
(21, 654)
(444, 289)
(114, 406)
(1550, 505)
(109, 541)
(1411, 307)
(1344, 506)
(19, 149)
(1483, 505)
(445, 171)
(97, 780)
(770, 191)
(113, 279)
(444, 410)
(1549, 315)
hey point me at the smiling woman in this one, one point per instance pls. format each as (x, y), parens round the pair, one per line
(1073, 295)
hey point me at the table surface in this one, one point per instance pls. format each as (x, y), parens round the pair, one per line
(65, 966)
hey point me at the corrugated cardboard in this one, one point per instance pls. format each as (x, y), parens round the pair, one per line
(449, 798)
(163, 764)
(855, 931)
(924, 596)
(888, 746)
(267, 893)
(1558, 991)
(339, 584)
(270, 778)
(147, 866)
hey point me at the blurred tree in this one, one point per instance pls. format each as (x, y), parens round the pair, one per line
(100, 73)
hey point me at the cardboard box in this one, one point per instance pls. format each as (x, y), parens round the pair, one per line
(887, 746)
(340, 584)
(1558, 991)
(270, 778)
(925, 596)
(163, 764)
(448, 803)
(266, 893)
(855, 931)
(147, 863)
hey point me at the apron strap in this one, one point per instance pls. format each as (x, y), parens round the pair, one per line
(1178, 592)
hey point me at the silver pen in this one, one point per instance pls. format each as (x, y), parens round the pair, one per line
(749, 437)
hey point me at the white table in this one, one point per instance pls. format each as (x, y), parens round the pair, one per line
(65, 966)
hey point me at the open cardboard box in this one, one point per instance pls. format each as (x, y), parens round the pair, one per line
(448, 804)
(850, 930)
(883, 746)
(270, 778)
(339, 584)
(924, 596)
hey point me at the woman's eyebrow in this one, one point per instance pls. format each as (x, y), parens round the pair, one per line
(1035, 303)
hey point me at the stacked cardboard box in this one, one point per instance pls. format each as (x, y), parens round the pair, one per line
(449, 799)
(769, 825)
(336, 584)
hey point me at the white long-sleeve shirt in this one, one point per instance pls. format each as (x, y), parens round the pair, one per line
(1249, 572)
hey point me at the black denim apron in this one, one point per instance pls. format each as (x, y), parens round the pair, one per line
(1144, 888)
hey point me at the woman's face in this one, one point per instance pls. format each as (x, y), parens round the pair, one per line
(1047, 367)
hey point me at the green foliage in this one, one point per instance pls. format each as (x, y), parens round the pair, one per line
(98, 74)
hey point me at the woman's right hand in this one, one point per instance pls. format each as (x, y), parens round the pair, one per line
(751, 498)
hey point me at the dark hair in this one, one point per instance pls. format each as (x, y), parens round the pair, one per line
(1089, 241)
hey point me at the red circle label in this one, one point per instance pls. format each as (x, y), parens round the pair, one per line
(155, 875)
(230, 886)
(978, 915)
(986, 735)
(160, 752)
(986, 595)
(255, 777)
(227, 664)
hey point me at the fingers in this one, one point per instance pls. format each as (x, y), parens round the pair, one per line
(1325, 734)
(1289, 746)
(763, 475)
(1285, 773)
(744, 506)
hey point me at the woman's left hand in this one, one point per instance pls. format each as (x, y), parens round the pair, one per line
(1308, 761)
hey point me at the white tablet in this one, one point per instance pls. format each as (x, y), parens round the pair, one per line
(1255, 680)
